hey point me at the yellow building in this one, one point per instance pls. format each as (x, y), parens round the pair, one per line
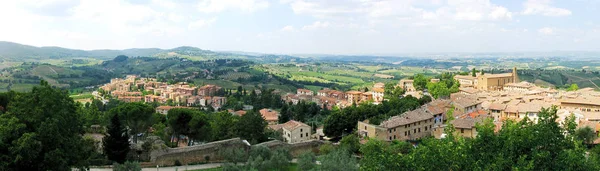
(488, 82)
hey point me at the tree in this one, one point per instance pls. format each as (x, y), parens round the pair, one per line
(474, 72)
(586, 135)
(306, 161)
(338, 160)
(573, 87)
(223, 125)
(251, 127)
(350, 142)
(41, 130)
(420, 82)
(199, 127)
(285, 114)
(127, 166)
(179, 121)
(137, 117)
(116, 143)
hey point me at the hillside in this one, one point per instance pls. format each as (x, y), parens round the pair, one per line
(14, 52)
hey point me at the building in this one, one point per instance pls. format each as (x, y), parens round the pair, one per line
(407, 85)
(354, 97)
(271, 116)
(488, 82)
(464, 104)
(583, 104)
(302, 91)
(165, 109)
(208, 90)
(411, 125)
(378, 94)
(295, 131)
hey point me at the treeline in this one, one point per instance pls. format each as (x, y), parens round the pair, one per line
(523, 145)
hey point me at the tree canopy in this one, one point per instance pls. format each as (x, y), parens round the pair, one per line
(41, 130)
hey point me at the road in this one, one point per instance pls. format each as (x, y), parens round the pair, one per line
(178, 168)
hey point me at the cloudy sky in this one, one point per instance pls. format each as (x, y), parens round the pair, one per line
(307, 26)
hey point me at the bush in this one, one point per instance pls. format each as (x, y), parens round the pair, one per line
(127, 166)
(306, 161)
(206, 158)
(177, 163)
(326, 148)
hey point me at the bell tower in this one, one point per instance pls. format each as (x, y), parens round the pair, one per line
(515, 75)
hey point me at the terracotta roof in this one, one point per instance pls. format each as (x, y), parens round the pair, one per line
(379, 90)
(292, 124)
(170, 107)
(269, 115)
(465, 101)
(583, 101)
(407, 118)
(497, 106)
(475, 114)
(467, 77)
(511, 109)
(497, 75)
(353, 92)
(438, 106)
(468, 90)
(467, 123)
(276, 127)
(304, 90)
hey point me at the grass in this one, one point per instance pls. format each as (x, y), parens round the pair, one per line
(82, 96)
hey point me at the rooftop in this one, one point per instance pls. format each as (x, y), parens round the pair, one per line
(269, 115)
(407, 118)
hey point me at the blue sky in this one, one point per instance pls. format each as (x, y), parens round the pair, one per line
(377, 27)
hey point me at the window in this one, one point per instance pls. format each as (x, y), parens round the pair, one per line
(306, 134)
(300, 130)
(390, 138)
(405, 133)
(365, 127)
(419, 129)
(415, 131)
(462, 130)
(429, 126)
(300, 135)
(394, 136)
(425, 128)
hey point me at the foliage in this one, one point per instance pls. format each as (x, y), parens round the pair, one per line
(116, 143)
(137, 117)
(127, 166)
(326, 148)
(306, 161)
(420, 82)
(350, 142)
(338, 160)
(189, 122)
(251, 127)
(586, 135)
(41, 130)
(263, 158)
(523, 145)
(573, 87)
(223, 125)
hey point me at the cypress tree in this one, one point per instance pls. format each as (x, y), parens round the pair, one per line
(116, 143)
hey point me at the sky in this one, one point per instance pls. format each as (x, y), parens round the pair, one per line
(373, 27)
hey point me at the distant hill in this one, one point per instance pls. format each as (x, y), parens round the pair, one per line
(10, 51)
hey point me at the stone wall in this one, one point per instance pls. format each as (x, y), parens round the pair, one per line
(295, 149)
(198, 153)
(195, 154)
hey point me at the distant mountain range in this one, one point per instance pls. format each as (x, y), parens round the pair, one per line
(10, 51)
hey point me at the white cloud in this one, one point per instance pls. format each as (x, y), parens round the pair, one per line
(316, 25)
(500, 13)
(201, 23)
(542, 7)
(212, 6)
(288, 28)
(546, 31)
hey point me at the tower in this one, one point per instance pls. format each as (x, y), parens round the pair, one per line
(515, 75)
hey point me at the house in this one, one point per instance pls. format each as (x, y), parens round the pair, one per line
(301, 91)
(407, 85)
(271, 116)
(411, 125)
(465, 104)
(497, 110)
(379, 85)
(378, 94)
(295, 131)
(354, 96)
(165, 109)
